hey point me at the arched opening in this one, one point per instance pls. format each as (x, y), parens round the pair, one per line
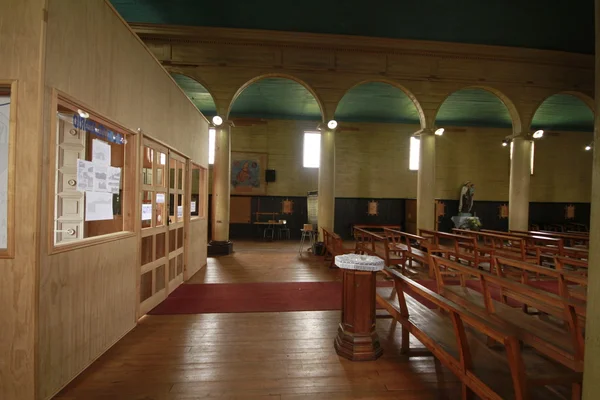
(275, 98)
(197, 93)
(564, 112)
(476, 120)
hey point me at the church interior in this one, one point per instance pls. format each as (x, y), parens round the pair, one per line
(316, 200)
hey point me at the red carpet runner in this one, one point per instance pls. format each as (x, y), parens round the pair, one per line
(277, 297)
(252, 297)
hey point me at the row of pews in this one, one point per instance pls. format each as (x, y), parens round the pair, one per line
(504, 311)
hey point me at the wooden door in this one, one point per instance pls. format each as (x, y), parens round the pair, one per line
(410, 210)
(154, 258)
(178, 212)
(69, 202)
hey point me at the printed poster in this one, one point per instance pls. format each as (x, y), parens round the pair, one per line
(146, 212)
(100, 152)
(98, 206)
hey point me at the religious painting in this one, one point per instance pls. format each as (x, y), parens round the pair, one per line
(373, 208)
(287, 206)
(248, 173)
(503, 211)
(570, 211)
(440, 209)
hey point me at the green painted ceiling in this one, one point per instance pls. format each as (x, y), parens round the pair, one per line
(563, 112)
(542, 24)
(276, 98)
(197, 93)
(376, 102)
(473, 107)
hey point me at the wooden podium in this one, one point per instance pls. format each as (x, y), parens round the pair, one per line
(357, 338)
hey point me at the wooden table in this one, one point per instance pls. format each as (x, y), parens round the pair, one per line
(357, 339)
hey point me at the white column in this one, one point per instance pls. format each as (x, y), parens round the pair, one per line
(221, 184)
(591, 383)
(426, 181)
(326, 200)
(520, 174)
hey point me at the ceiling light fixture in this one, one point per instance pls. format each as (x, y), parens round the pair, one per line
(439, 132)
(83, 114)
(538, 134)
(332, 124)
(217, 121)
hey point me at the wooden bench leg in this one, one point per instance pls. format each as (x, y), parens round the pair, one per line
(467, 394)
(405, 341)
(576, 393)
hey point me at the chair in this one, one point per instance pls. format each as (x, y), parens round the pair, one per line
(307, 232)
(270, 230)
(283, 230)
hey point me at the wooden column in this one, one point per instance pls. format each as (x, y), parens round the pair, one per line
(220, 243)
(426, 181)
(357, 338)
(520, 173)
(326, 200)
(591, 383)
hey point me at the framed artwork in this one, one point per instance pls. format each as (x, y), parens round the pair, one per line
(287, 206)
(373, 208)
(570, 211)
(248, 173)
(503, 211)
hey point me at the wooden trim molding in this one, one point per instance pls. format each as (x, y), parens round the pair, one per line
(9, 251)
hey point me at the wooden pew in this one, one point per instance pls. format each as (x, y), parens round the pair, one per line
(548, 338)
(483, 371)
(334, 246)
(569, 284)
(371, 243)
(571, 239)
(553, 245)
(502, 244)
(576, 265)
(415, 247)
(459, 247)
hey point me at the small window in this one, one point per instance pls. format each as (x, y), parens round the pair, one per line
(532, 154)
(211, 145)
(92, 159)
(415, 149)
(312, 149)
(199, 190)
(5, 137)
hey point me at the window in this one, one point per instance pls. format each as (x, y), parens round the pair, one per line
(199, 186)
(415, 149)
(92, 158)
(532, 154)
(211, 145)
(312, 149)
(5, 221)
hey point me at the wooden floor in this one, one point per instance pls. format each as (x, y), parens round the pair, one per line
(257, 355)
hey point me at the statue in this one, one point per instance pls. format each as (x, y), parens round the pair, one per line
(467, 192)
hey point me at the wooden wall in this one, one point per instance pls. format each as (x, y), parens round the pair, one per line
(372, 162)
(88, 297)
(22, 31)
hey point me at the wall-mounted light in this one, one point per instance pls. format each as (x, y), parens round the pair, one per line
(83, 114)
(217, 121)
(538, 134)
(439, 132)
(332, 124)
(505, 142)
(589, 146)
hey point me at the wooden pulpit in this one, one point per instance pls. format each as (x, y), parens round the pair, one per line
(357, 338)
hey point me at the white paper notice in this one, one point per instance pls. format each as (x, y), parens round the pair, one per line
(100, 152)
(85, 176)
(98, 206)
(146, 212)
(100, 178)
(193, 207)
(179, 211)
(114, 179)
(160, 198)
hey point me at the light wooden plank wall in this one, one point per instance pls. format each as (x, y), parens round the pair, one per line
(372, 161)
(21, 33)
(88, 297)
